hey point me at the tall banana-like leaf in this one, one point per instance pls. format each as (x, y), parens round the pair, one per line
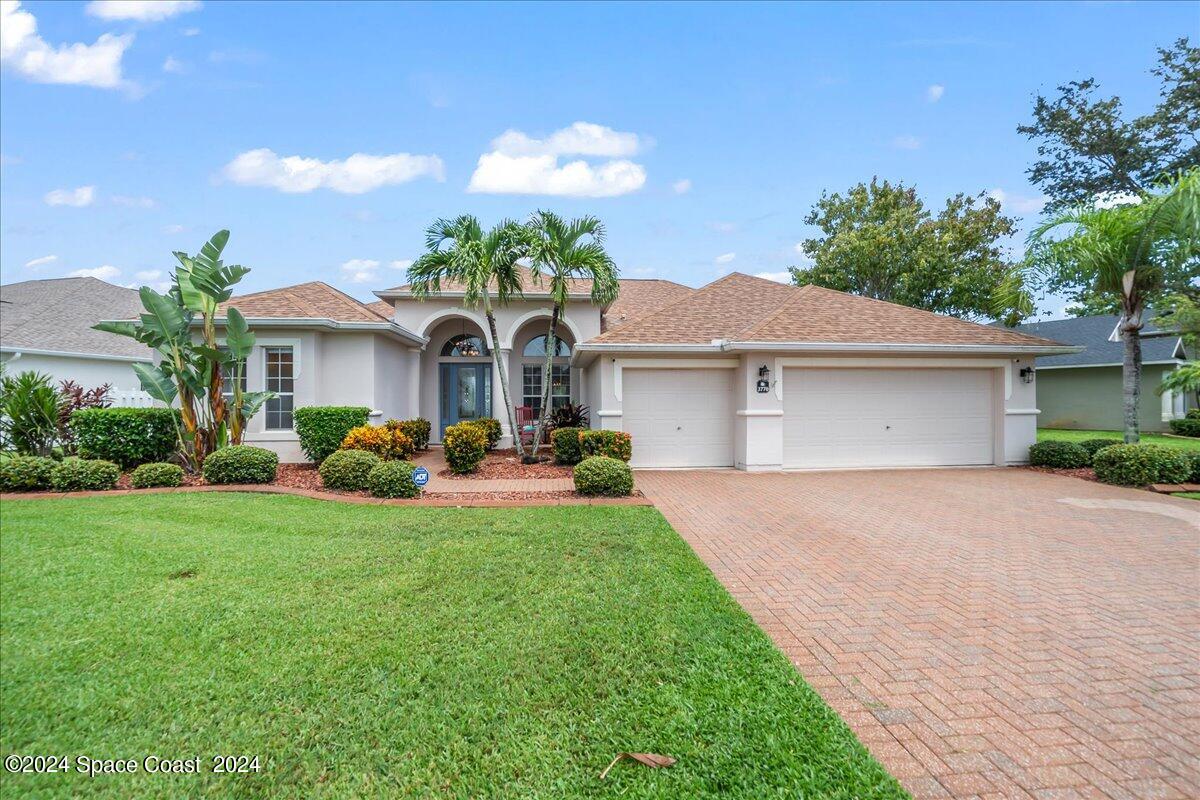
(163, 317)
(193, 298)
(252, 402)
(157, 382)
(239, 341)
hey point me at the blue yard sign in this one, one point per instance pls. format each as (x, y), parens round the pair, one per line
(420, 476)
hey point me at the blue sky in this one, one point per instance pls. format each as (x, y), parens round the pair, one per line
(129, 131)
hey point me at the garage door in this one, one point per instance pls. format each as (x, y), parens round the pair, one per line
(679, 417)
(887, 417)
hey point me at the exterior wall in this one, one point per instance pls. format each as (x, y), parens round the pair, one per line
(1089, 398)
(87, 372)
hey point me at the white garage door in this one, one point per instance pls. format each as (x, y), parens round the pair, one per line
(887, 417)
(679, 417)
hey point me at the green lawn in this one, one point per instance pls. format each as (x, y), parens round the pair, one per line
(1061, 434)
(1188, 495)
(368, 651)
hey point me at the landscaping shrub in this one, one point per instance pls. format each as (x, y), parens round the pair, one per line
(1193, 413)
(491, 429)
(241, 464)
(322, 428)
(393, 479)
(1194, 458)
(26, 473)
(569, 416)
(1092, 446)
(125, 436)
(465, 445)
(564, 444)
(416, 429)
(1060, 455)
(387, 442)
(80, 475)
(614, 444)
(1141, 465)
(1185, 427)
(601, 475)
(348, 469)
(149, 476)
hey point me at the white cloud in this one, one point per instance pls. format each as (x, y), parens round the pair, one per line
(778, 277)
(80, 197)
(357, 174)
(906, 143)
(134, 202)
(682, 186)
(141, 10)
(1114, 199)
(173, 229)
(935, 92)
(104, 273)
(401, 263)
(22, 49)
(148, 275)
(519, 164)
(360, 270)
(1018, 204)
(173, 64)
(725, 258)
(34, 263)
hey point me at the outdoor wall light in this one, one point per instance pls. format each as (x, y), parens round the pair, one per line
(1027, 374)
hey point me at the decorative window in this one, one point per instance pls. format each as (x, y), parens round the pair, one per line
(465, 344)
(531, 386)
(280, 371)
(537, 347)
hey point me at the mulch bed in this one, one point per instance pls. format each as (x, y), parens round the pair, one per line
(506, 465)
(1085, 473)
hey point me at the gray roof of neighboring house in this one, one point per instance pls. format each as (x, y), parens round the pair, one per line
(1093, 333)
(58, 314)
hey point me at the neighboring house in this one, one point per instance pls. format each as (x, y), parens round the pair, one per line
(46, 327)
(1084, 390)
(743, 372)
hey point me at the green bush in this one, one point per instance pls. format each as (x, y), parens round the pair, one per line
(1060, 455)
(126, 436)
(1141, 465)
(1185, 427)
(1194, 458)
(84, 475)
(1193, 413)
(1092, 446)
(322, 428)
(393, 479)
(416, 429)
(604, 476)
(348, 469)
(464, 446)
(564, 444)
(387, 441)
(614, 444)
(241, 464)
(490, 427)
(26, 473)
(159, 473)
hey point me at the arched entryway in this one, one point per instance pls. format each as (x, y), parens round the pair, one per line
(527, 366)
(456, 374)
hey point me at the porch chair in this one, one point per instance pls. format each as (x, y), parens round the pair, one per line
(526, 423)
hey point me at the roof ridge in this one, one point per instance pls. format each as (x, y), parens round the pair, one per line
(799, 293)
(352, 299)
(691, 295)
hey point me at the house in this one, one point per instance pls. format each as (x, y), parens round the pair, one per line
(1084, 390)
(742, 372)
(46, 327)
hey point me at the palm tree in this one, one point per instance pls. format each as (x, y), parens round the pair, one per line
(458, 250)
(563, 251)
(1123, 250)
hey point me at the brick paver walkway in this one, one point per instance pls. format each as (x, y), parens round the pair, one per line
(980, 635)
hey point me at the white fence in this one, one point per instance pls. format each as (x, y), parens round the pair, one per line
(130, 398)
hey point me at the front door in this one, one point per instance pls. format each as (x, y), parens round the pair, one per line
(466, 392)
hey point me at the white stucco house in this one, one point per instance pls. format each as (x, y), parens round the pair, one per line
(743, 372)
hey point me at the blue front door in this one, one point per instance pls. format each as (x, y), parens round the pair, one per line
(466, 392)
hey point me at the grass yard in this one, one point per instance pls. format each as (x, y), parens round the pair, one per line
(1061, 434)
(1188, 495)
(368, 651)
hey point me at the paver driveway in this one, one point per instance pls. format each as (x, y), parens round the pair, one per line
(993, 632)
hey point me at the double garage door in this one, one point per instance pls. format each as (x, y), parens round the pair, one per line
(832, 418)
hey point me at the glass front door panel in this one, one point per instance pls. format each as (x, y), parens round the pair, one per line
(468, 394)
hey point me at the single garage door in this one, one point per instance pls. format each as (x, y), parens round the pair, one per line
(679, 417)
(887, 417)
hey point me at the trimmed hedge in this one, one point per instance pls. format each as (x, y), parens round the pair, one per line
(1194, 457)
(564, 444)
(348, 469)
(149, 476)
(1060, 455)
(603, 476)
(1185, 427)
(416, 429)
(614, 444)
(84, 475)
(26, 473)
(126, 436)
(385, 441)
(241, 464)
(1093, 446)
(322, 428)
(490, 427)
(393, 479)
(464, 446)
(1142, 464)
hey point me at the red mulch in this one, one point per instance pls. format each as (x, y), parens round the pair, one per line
(506, 465)
(123, 482)
(1086, 473)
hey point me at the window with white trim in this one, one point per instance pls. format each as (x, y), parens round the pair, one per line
(531, 386)
(280, 372)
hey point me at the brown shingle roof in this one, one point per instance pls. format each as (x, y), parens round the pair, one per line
(383, 308)
(639, 297)
(742, 308)
(529, 285)
(313, 300)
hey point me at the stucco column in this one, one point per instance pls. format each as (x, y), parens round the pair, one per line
(414, 384)
(498, 409)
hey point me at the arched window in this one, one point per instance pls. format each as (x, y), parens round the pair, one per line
(537, 347)
(465, 344)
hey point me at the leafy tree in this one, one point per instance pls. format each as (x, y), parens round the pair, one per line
(878, 240)
(1123, 251)
(564, 251)
(1181, 315)
(457, 250)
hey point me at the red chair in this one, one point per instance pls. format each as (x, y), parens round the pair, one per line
(526, 423)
